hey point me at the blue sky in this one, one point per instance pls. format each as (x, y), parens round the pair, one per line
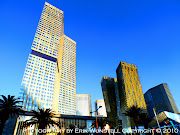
(142, 32)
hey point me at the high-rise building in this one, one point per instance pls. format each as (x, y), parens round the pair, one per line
(65, 81)
(129, 89)
(49, 79)
(101, 111)
(160, 98)
(83, 104)
(111, 97)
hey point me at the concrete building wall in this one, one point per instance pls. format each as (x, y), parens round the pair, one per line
(101, 111)
(83, 104)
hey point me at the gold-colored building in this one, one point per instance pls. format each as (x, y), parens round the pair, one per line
(130, 90)
(49, 79)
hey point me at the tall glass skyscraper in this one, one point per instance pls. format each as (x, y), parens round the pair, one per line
(129, 89)
(49, 79)
(160, 98)
(111, 97)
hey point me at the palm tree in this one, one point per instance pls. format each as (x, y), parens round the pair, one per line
(134, 112)
(8, 106)
(43, 118)
(101, 123)
(144, 119)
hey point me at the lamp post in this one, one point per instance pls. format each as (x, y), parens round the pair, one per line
(96, 116)
(157, 120)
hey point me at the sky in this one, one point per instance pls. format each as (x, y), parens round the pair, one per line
(141, 32)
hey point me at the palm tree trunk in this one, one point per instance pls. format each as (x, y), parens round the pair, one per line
(2, 126)
(1, 129)
(146, 127)
(137, 126)
(136, 122)
(4, 118)
(41, 126)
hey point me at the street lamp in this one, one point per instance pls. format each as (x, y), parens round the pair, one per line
(107, 127)
(157, 120)
(96, 116)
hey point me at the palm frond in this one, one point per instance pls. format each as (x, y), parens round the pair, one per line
(43, 118)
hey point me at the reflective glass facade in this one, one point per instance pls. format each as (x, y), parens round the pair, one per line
(49, 79)
(49, 31)
(38, 83)
(129, 89)
(160, 98)
(65, 82)
(111, 97)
